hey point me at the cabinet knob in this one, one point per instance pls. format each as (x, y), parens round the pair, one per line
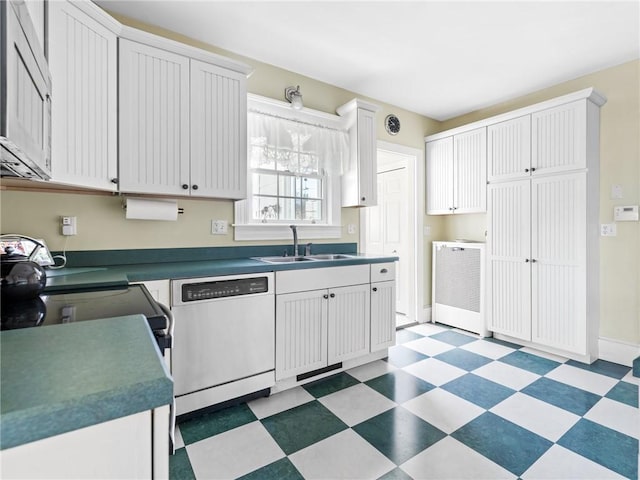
(114, 180)
(375, 289)
(332, 295)
(533, 260)
(526, 260)
(194, 187)
(383, 270)
(325, 296)
(533, 169)
(185, 186)
(526, 170)
(363, 199)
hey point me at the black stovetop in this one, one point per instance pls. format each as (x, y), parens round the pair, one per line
(83, 305)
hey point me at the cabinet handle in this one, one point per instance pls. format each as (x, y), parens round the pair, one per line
(375, 289)
(114, 180)
(185, 186)
(195, 187)
(325, 296)
(332, 295)
(384, 270)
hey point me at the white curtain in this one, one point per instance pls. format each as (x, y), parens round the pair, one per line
(277, 143)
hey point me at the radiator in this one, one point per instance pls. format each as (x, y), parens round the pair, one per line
(458, 286)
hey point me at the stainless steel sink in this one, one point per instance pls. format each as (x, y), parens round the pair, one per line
(284, 259)
(330, 256)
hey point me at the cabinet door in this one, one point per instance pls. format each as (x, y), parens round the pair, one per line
(383, 315)
(439, 181)
(559, 271)
(218, 132)
(348, 323)
(559, 138)
(154, 120)
(470, 171)
(367, 158)
(83, 62)
(509, 149)
(301, 332)
(509, 259)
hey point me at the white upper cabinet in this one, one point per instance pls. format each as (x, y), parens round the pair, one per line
(559, 138)
(457, 173)
(509, 149)
(359, 183)
(439, 172)
(218, 132)
(183, 123)
(83, 62)
(154, 120)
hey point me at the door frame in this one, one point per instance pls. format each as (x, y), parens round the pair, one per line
(415, 180)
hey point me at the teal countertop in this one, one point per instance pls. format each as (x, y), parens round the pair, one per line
(121, 275)
(59, 378)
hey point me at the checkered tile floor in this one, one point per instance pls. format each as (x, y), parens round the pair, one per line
(444, 405)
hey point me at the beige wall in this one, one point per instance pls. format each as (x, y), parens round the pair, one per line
(101, 222)
(619, 164)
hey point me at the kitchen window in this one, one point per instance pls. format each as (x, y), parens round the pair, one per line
(295, 160)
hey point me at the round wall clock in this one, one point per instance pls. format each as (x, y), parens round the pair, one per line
(392, 124)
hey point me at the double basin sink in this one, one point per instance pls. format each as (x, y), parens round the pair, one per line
(307, 258)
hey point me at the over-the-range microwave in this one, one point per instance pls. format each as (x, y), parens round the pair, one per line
(25, 88)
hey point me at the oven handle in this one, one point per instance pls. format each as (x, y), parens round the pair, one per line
(169, 316)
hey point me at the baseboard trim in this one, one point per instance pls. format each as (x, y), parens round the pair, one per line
(616, 351)
(426, 315)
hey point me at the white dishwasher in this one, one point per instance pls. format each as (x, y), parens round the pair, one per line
(224, 339)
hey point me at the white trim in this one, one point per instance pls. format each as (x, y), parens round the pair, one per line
(589, 93)
(183, 49)
(426, 315)
(98, 14)
(415, 169)
(616, 351)
(305, 115)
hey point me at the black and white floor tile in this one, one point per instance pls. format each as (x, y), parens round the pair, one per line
(444, 405)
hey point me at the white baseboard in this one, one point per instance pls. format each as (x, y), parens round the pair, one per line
(617, 352)
(426, 315)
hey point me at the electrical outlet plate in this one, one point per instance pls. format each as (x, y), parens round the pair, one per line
(219, 227)
(69, 225)
(608, 230)
(351, 229)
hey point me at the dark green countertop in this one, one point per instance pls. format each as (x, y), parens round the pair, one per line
(120, 275)
(59, 378)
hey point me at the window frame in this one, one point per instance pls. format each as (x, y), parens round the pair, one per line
(246, 228)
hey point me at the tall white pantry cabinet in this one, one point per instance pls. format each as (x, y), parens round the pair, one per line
(542, 225)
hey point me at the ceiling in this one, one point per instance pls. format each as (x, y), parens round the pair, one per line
(440, 59)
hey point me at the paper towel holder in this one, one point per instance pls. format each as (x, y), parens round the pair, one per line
(180, 210)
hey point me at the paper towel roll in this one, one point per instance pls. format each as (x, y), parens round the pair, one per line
(151, 209)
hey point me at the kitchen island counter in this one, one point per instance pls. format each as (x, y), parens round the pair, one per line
(61, 378)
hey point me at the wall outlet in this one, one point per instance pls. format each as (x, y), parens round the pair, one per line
(69, 225)
(351, 229)
(616, 191)
(219, 227)
(608, 230)
(427, 230)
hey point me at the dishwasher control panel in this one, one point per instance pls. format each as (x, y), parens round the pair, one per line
(193, 292)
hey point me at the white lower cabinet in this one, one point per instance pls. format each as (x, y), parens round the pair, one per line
(331, 315)
(122, 448)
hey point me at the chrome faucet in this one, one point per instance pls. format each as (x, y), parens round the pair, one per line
(295, 239)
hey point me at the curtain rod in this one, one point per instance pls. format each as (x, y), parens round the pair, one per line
(282, 117)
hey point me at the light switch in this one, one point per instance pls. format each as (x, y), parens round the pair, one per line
(616, 191)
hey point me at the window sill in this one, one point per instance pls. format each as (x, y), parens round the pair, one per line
(273, 231)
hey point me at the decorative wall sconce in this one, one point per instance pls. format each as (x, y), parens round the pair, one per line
(293, 95)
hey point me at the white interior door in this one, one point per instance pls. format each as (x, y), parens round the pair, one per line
(387, 226)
